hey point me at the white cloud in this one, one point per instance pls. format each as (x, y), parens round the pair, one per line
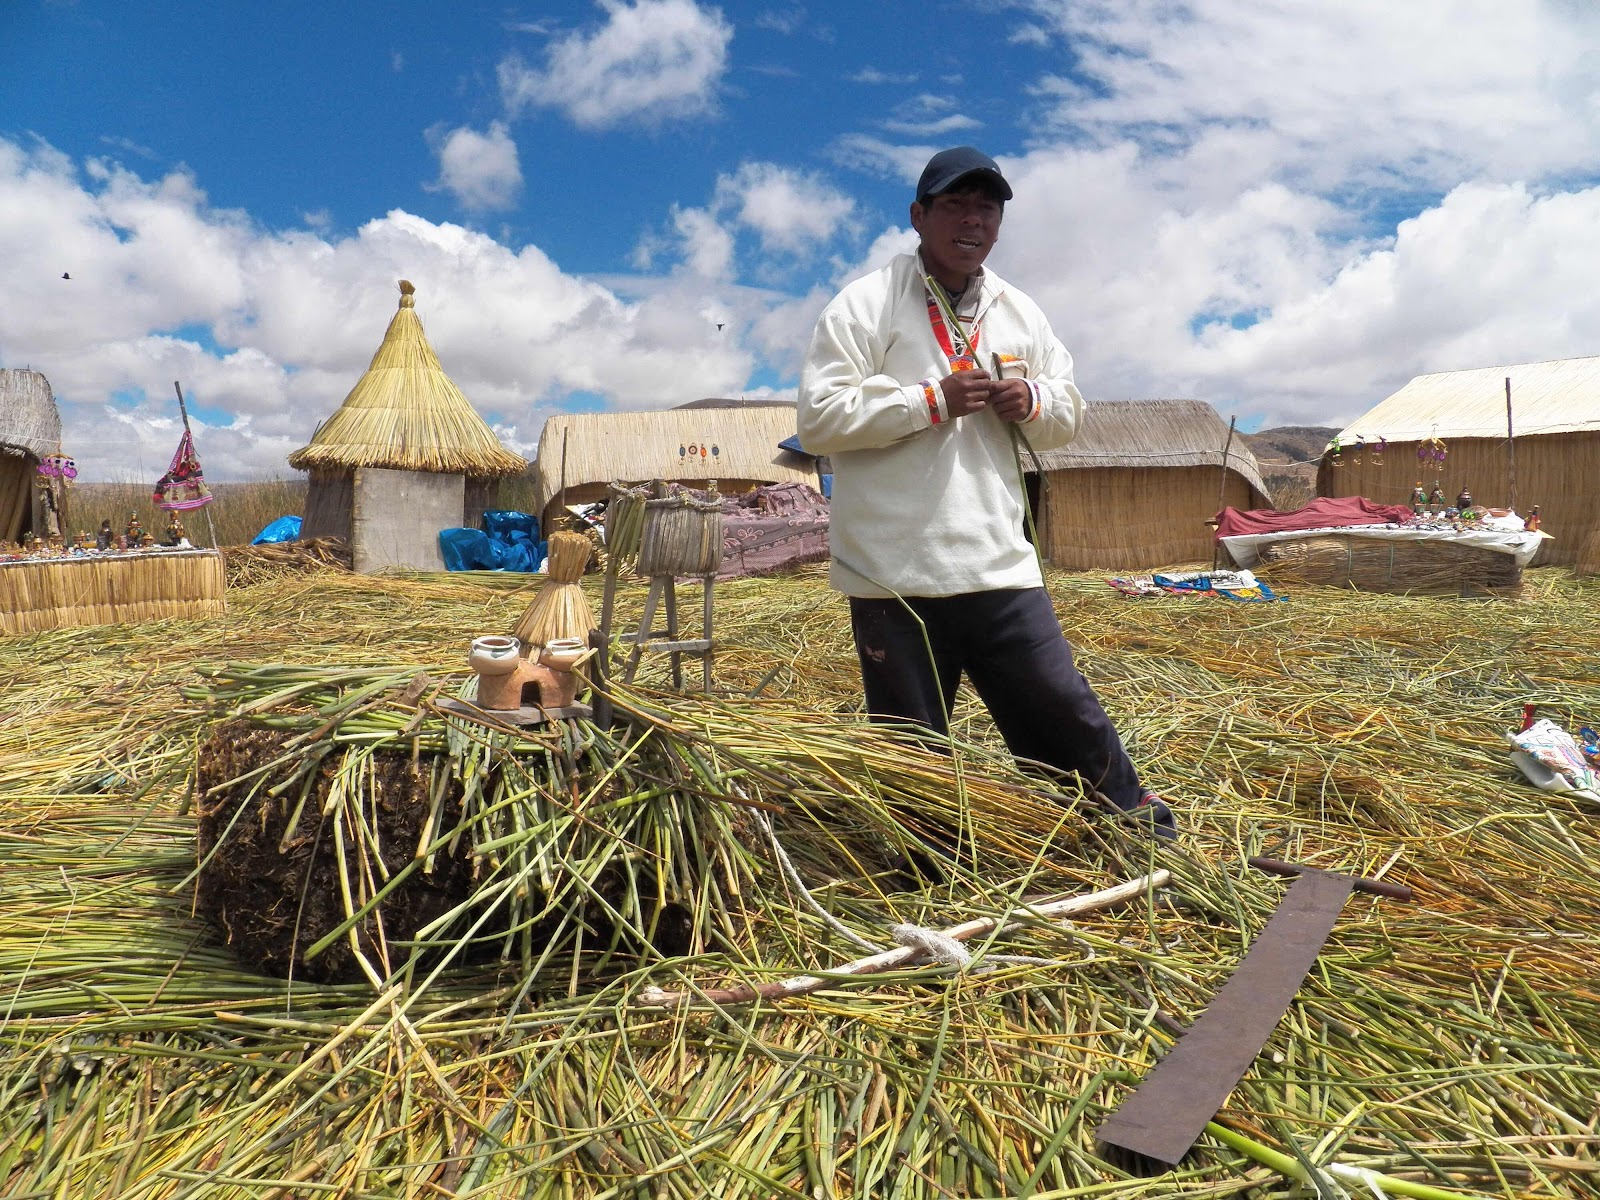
(274, 328)
(480, 170)
(1362, 93)
(789, 210)
(929, 116)
(707, 245)
(1264, 301)
(875, 75)
(785, 21)
(652, 62)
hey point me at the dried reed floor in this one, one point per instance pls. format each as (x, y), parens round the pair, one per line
(1448, 1044)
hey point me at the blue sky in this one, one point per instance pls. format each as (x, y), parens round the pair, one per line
(1286, 210)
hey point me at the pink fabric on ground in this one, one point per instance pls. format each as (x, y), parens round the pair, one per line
(1325, 512)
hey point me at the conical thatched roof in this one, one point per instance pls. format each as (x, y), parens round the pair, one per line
(406, 414)
(29, 421)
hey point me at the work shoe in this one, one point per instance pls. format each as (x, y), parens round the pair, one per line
(1152, 811)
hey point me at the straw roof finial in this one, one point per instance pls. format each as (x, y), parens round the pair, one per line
(405, 414)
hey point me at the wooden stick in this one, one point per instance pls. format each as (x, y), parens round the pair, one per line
(1222, 489)
(1511, 448)
(886, 960)
(183, 411)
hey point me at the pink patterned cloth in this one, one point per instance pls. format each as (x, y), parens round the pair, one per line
(773, 528)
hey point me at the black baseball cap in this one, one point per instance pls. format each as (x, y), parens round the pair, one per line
(948, 167)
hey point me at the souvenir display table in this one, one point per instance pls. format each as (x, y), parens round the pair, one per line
(1247, 550)
(109, 587)
(1437, 559)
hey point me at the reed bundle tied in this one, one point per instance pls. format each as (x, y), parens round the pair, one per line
(1390, 565)
(559, 609)
(1441, 1049)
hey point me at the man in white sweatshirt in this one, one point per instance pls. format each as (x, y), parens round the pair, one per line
(921, 384)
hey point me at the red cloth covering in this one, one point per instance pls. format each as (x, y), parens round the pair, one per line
(1325, 512)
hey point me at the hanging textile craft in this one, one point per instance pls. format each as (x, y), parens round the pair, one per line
(183, 486)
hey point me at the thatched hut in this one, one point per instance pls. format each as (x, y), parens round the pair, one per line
(405, 456)
(1137, 485)
(734, 442)
(30, 428)
(1551, 459)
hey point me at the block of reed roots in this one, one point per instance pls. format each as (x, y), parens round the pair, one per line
(270, 872)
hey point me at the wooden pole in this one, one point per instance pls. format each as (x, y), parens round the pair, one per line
(561, 495)
(1222, 488)
(1511, 448)
(183, 411)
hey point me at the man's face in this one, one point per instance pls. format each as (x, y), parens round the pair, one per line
(958, 229)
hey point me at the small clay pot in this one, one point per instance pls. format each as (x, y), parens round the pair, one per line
(494, 654)
(559, 654)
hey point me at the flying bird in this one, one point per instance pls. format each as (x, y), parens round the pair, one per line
(64, 275)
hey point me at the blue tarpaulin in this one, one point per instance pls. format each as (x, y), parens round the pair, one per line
(284, 529)
(508, 541)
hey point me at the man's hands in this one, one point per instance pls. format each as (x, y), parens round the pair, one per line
(967, 392)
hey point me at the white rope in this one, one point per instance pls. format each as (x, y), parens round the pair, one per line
(935, 946)
(945, 951)
(798, 884)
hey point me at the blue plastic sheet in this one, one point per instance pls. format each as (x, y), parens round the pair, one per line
(463, 549)
(508, 541)
(284, 529)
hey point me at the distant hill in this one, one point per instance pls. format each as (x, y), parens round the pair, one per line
(1288, 457)
(1290, 443)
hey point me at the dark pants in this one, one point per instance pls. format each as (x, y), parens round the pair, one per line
(1011, 647)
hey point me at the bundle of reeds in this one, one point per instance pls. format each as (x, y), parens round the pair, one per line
(250, 565)
(1432, 568)
(62, 593)
(559, 608)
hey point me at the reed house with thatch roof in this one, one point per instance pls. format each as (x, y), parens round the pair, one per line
(1513, 437)
(405, 456)
(30, 429)
(1137, 485)
(734, 442)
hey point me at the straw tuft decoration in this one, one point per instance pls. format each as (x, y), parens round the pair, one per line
(559, 609)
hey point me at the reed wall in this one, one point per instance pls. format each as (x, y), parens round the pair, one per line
(16, 495)
(1134, 519)
(330, 504)
(125, 589)
(1558, 472)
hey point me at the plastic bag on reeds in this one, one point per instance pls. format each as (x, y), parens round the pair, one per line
(682, 536)
(559, 609)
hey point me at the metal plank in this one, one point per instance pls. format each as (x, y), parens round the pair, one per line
(1169, 1109)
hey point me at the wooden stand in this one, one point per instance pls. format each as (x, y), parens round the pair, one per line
(663, 592)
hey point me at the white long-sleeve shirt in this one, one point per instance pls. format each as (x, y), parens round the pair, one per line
(924, 504)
